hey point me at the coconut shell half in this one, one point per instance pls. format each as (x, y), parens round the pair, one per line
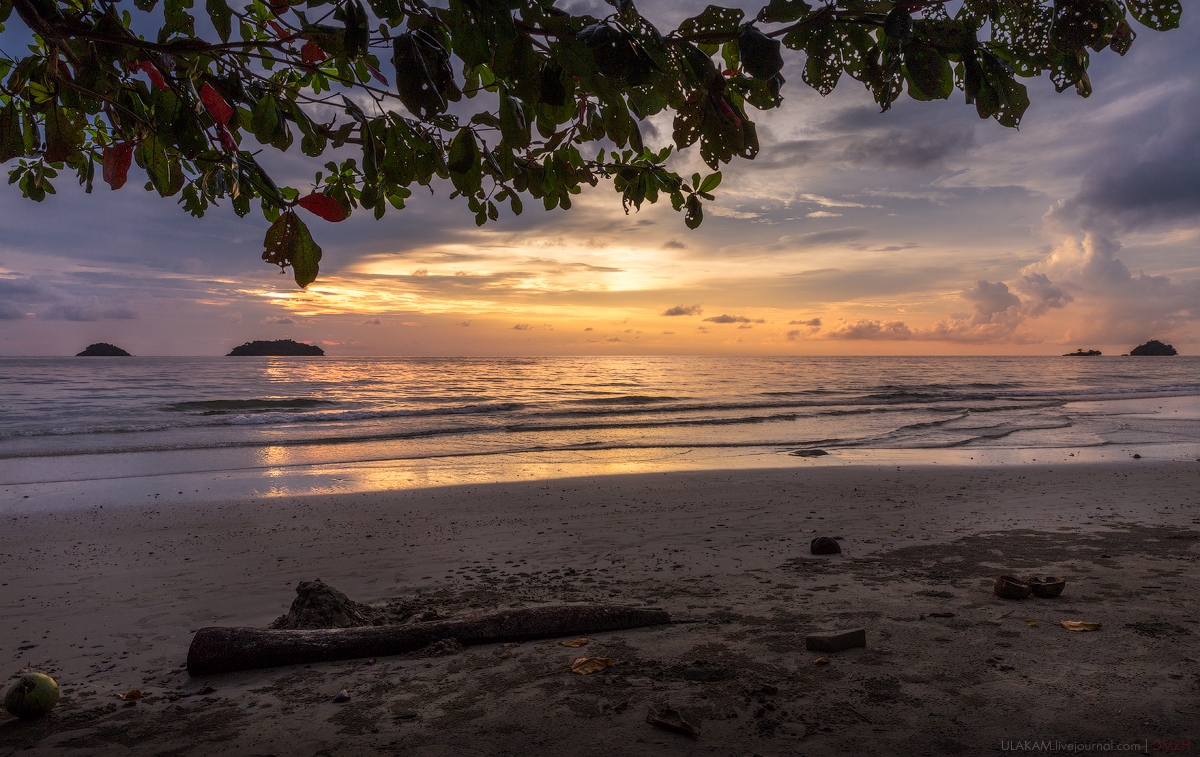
(1011, 587)
(1047, 587)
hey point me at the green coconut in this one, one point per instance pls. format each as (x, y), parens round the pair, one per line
(32, 696)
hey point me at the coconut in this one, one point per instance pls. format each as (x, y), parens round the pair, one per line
(32, 696)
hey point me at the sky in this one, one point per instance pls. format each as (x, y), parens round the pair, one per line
(920, 231)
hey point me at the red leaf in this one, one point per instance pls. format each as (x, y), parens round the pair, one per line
(324, 206)
(216, 105)
(278, 29)
(375, 72)
(156, 78)
(116, 164)
(312, 53)
(724, 108)
(227, 140)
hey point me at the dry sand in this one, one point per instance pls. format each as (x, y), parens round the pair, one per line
(105, 600)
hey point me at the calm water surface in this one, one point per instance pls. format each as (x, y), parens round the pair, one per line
(72, 418)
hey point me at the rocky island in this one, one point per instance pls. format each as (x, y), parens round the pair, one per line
(103, 349)
(277, 348)
(1084, 353)
(1153, 347)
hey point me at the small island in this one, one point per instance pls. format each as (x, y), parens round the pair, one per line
(1153, 347)
(103, 349)
(1084, 353)
(277, 348)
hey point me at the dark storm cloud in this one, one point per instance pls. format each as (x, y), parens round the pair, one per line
(912, 149)
(682, 310)
(10, 312)
(1129, 194)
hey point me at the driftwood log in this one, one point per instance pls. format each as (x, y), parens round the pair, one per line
(219, 649)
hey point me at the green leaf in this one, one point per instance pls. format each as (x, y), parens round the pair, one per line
(759, 53)
(463, 152)
(220, 13)
(1159, 15)
(1080, 23)
(513, 124)
(694, 215)
(711, 182)
(64, 134)
(178, 20)
(928, 73)
(288, 242)
(12, 144)
(713, 20)
(423, 77)
(151, 154)
(783, 11)
(264, 119)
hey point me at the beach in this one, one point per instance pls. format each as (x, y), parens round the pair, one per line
(106, 600)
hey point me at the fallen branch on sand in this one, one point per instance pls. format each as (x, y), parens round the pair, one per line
(218, 649)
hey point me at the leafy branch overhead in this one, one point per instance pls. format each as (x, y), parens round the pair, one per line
(556, 99)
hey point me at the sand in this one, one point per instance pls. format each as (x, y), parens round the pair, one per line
(106, 600)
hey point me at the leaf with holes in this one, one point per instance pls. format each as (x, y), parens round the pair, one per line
(713, 20)
(783, 11)
(288, 242)
(1159, 15)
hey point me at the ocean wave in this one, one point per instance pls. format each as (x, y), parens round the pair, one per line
(651, 424)
(271, 418)
(631, 399)
(72, 430)
(226, 406)
(358, 415)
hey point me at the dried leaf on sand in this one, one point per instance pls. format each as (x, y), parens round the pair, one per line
(130, 695)
(573, 644)
(1079, 625)
(669, 718)
(585, 665)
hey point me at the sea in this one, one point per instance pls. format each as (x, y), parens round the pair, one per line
(127, 429)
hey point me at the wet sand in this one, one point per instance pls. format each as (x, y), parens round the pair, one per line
(106, 600)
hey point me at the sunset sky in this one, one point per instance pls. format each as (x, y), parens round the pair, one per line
(923, 230)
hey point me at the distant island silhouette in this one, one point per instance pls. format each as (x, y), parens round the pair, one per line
(279, 347)
(1084, 353)
(1153, 347)
(103, 349)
